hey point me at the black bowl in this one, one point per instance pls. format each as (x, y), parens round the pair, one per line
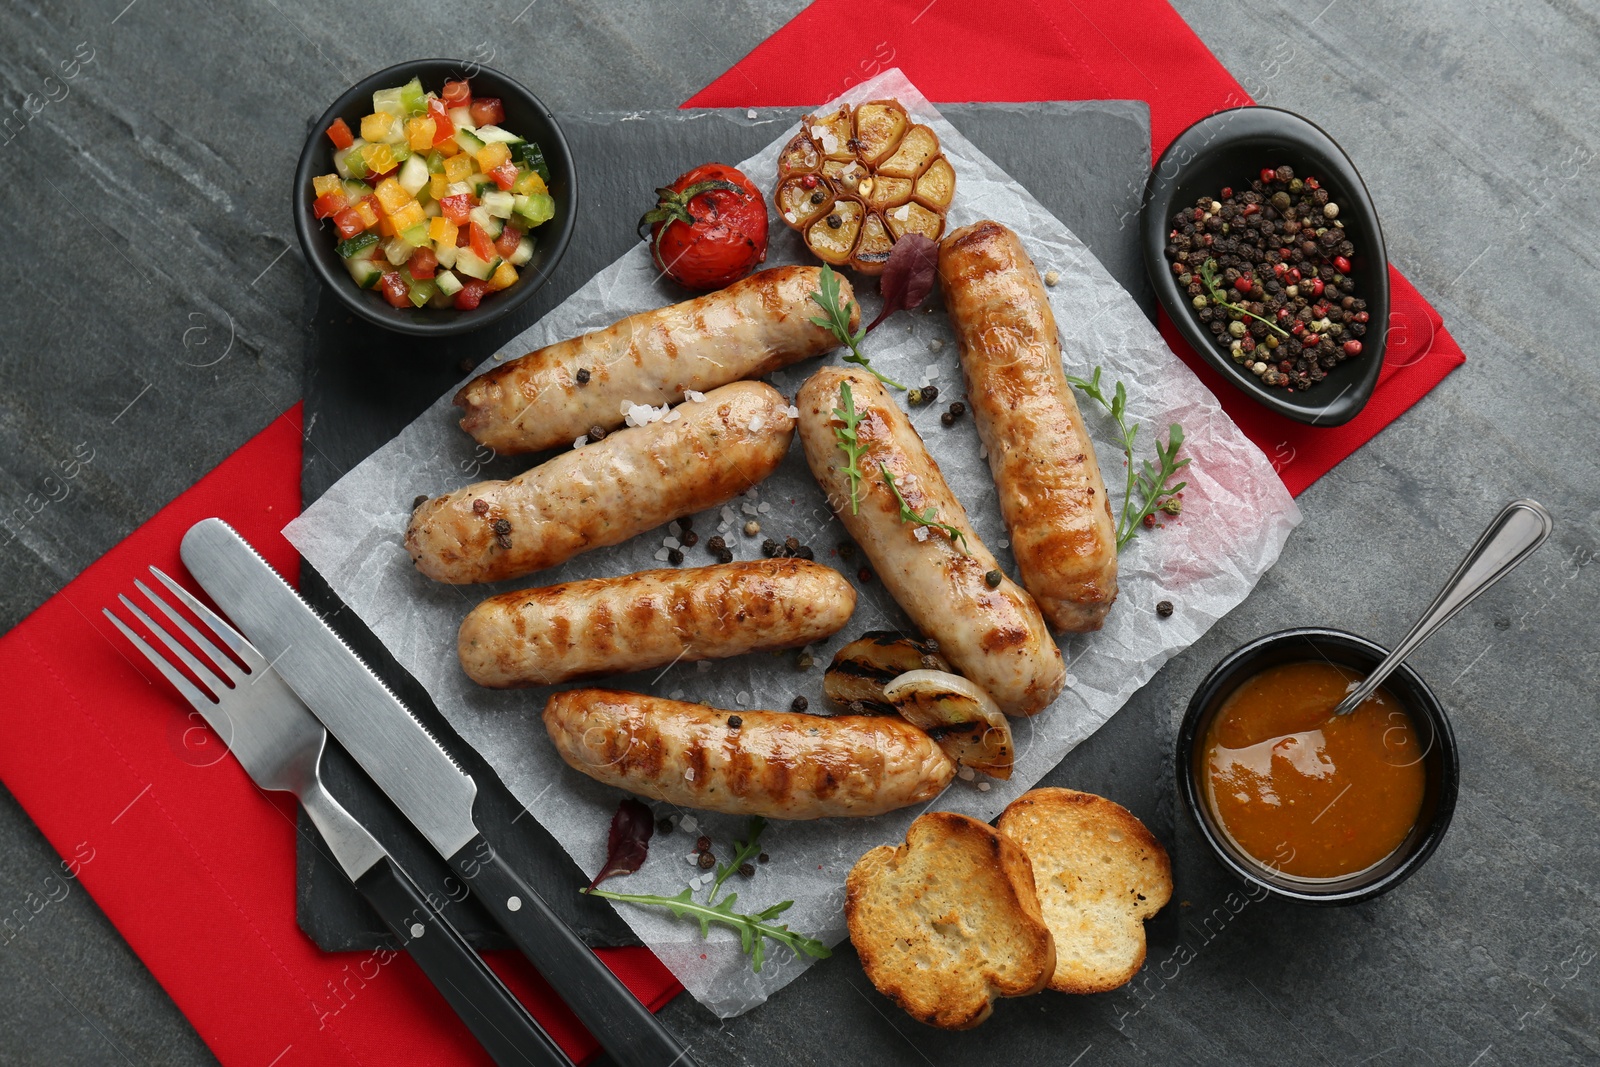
(1230, 148)
(525, 116)
(1427, 716)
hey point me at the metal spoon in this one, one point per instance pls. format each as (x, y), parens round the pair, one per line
(1510, 539)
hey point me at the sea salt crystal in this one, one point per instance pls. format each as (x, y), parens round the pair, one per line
(743, 699)
(902, 212)
(750, 114)
(966, 774)
(1072, 680)
(673, 416)
(688, 774)
(727, 514)
(756, 423)
(920, 533)
(984, 787)
(676, 694)
(763, 507)
(983, 451)
(936, 344)
(793, 412)
(748, 509)
(722, 527)
(661, 554)
(674, 529)
(697, 397)
(580, 441)
(672, 542)
(693, 859)
(1004, 542)
(703, 665)
(689, 824)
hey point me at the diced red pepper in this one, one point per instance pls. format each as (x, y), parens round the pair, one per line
(470, 294)
(423, 263)
(457, 94)
(348, 222)
(505, 175)
(482, 246)
(463, 236)
(443, 128)
(339, 133)
(457, 208)
(487, 111)
(331, 204)
(395, 290)
(506, 243)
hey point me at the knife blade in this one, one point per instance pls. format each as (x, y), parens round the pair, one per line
(425, 783)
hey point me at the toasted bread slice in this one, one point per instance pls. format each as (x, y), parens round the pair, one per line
(1099, 875)
(949, 921)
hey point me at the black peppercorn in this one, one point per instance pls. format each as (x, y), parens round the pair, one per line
(725, 556)
(993, 579)
(834, 222)
(702, 844)
(422, 499)
(804, 552)
(674, 556)
(762, 858)
(690, 538)
(502, 526)
(664, 825)
(1164, 608)
(747, 870)
(791, 543)
(716, 544)
(947, 419)
(583, 375)
(799, 704)
(734, 722)
(769, 548)
(707, 861)
(930, 393)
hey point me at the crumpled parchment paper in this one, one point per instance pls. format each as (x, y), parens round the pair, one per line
(1236, 516)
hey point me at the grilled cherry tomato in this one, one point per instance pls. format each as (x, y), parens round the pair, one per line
(708, 228)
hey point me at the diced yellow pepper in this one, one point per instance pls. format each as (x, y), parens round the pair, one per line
(528, 183)
(379, 158)
(419, 132)
(504, 277)
(392, 195)
(385, 227)
(327, 183)
(447, 147)
(442, 231)
(368, 213)
(491, 156)
(407, 216)
(456, 168)
(438, 185)
(376, 127)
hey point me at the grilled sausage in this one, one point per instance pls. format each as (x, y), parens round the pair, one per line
(607, 492)
(778, 764)
(993, 635)
(585, 629)
(1051, 494)
(552, 396)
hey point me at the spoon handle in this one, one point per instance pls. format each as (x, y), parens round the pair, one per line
(1510, 539)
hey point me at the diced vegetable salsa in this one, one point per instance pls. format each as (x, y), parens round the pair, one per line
(432, 201)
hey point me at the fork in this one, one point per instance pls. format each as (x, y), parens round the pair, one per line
(280, 742)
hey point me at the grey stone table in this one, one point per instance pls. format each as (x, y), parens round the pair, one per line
(145, 226)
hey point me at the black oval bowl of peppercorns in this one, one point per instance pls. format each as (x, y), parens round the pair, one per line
(1265, 250)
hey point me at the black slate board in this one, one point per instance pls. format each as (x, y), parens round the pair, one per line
(1085, 161)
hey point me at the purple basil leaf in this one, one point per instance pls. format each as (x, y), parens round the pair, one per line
(908, 278)
(629, 842)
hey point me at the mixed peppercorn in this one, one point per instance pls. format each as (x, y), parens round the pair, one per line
(1268, 272)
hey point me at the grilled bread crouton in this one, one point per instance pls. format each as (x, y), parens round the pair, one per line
(949, 921)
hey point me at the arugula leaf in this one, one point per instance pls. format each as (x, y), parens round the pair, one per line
(754, 930)
(1148, 482)
(849, 442)
(927, 518)
(835, 319)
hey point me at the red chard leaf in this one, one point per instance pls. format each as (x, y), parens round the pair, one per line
(908, 277)
(629, 843)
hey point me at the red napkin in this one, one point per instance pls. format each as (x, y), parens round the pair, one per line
(1027, 50)
(192, 863)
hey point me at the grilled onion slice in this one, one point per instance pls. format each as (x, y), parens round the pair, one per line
(859, 671)
(966, 723)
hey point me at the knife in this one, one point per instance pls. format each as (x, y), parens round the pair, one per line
(280, 744)
(425, 783)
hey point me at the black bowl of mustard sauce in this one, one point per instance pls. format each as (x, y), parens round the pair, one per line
(1315, 809)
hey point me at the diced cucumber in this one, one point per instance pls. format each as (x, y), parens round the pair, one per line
(435, 162)
(413, 98)
(400, 151)
(486, 222)
(397, 134)
(351, 247)
(354, 190)
(470, 142)
(448, 283)
(535, 208)
(446, 254)
(482, 185)
(364, 272)
(457, 188)
(497, 203)
(413, 175)
(469, 264)
(431, 209)
(398, 250)
(523, 253)
(415, 236)
(492, 134)
(388, 100)
(461, 118)
(349, 162)
(529, 154)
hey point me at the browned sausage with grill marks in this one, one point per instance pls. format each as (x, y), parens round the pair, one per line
(600, 626)
(778, 764)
